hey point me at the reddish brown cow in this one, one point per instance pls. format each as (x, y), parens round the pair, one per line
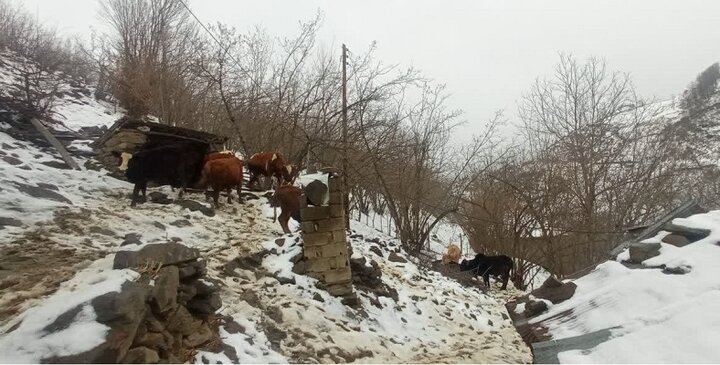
(223, 174)
(270, 164)
(217, 155)
(287, 197)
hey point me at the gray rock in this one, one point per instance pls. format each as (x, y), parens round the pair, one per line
(141, 355)
(205, 305)
(394, 257)
(199, 337)
(11, 160)
(12, 222)
(195, 206)
(102, 231)
(56, 164)
(316, 192)
(159, 225)
(185, 293)
(676, 240)
(300, 267)
(163, 253)
(376, 250)
(318, 297)
(640, 252)
(165, 290)
(181, 223)
(152, 340)
(181, 321)
(203, 288)
(121, 311)
(534, 307)
(192, 269)
(48, 186)
(40, 192)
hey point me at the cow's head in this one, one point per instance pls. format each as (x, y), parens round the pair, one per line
(124, 159)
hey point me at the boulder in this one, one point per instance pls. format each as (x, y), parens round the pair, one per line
(376, 250)
(40, 192)
(640, 252)
(181, 223)
(11, 160)
(102, 231)
(141, 355)
(394, 257)
(199, 337)
(192, 269)
(163, 253)
(204, 305)
(676, 240)
(122, 312)
(164, 293)
(535, 307)
(159, 198)
(316, 193)
(182, 322)
(194, 206)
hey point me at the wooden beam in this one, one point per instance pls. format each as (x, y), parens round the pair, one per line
(55, 143)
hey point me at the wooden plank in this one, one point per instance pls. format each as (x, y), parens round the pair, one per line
(55, 143)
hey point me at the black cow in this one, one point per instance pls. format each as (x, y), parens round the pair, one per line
(485, 266)
(178, 165)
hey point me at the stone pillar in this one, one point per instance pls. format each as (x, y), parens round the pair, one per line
(325, 247)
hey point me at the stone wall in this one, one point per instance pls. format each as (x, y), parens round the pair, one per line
(125, 140)
(325, 246)
(163, 317)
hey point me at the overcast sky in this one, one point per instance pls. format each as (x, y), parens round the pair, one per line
(487, 52)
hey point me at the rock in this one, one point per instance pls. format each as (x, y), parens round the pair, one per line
(39, 192)
(316, 192)
(56, 164)
(357, 236)
(192, 269)
(141, 355)
(194, 206)
(11, 160)
(300, 267)
(204, 288)
(376, 250)
(102, 231)
(199, 337)
(691, 234)
(12, 222)
(47, 186)
(181, 223)
(182, 322)
(164, 293)
(152, 340)
(185, 293)
(393, 257)
(122, 312)
(280, 241)
(679, 270)
(640, 252)
(534, 307)
(551, 282)
(373, 240)
(159, 198)
(153, 324)
(205, 305)
(555, 294)
(318, 297)
(159, 225)
(131, 241)
(163, 253)
(297, 258)
(676, 240)
(6, 146)
(357, 262)
(285, 280)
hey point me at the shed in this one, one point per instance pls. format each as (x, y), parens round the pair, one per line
(133, 135)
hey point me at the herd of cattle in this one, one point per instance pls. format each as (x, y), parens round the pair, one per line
(186, 164)
(189, 165)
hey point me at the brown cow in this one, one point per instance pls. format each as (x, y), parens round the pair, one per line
(223, 174)
(217, 155)
(270, 164)
(288, 198)
(452, 254)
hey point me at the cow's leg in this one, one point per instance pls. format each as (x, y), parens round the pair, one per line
(216, 196)
(229, 192)
(144, 192)
(486, 279)
(239, 190)
(505, 275)
(283, 219)
(253, 178)
(135, 194)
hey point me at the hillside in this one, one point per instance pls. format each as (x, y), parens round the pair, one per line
(60, 231)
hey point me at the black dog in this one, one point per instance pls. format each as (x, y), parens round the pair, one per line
(485, 266)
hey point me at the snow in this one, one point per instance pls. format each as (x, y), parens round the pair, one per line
(30, 342)
(662, 318)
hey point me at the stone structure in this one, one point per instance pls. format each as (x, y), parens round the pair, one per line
(325, 247)
(132, 135)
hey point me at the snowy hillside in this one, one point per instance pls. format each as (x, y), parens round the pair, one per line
(658, 314)
(60, 230)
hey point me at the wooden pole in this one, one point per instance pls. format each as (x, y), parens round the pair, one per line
(55, 143)
(346, 197)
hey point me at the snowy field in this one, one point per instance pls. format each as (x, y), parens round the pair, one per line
(662, 318)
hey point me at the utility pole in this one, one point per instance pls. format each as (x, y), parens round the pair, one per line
(346, 198)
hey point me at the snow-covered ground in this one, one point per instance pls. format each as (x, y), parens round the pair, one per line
(60, 229)
(660, 318)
